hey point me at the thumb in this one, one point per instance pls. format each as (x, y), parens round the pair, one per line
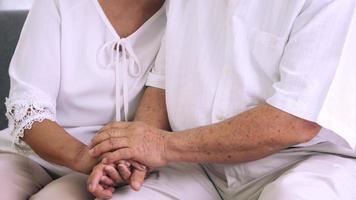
(137, 178)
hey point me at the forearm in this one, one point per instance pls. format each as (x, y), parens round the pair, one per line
(249, 136)
(152, 109)
(54, 144)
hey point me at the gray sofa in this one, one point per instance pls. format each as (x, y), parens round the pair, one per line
(11, 23)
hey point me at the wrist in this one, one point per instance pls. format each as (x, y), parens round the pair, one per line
(169, 154)
(82, 161)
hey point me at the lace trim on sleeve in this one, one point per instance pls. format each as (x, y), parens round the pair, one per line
(22, 113)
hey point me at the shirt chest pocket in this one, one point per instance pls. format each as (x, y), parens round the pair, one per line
(266, 51)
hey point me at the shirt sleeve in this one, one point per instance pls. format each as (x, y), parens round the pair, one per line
(156, 77)
(315, 67)
(34, 70)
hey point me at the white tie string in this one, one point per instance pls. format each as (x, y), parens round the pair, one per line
(124, 61)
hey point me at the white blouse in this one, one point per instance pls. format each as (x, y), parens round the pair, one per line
(71, 67)
(220, 58)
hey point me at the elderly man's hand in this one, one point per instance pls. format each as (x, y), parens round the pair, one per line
(130, 141)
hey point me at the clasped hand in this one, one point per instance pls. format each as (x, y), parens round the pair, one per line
(128, 152)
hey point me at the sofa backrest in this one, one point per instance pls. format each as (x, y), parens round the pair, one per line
(11, 23)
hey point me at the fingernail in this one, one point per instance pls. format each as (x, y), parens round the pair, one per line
(90, 187)
(136, 185)
(140, 167)
(91, 151)
(125, 163)
(105, 161)
(122, 166)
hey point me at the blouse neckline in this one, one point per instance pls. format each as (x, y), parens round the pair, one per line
(111, 28)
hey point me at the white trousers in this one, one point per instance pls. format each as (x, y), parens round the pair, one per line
(317, 172)
(22, 178)
(321, 171)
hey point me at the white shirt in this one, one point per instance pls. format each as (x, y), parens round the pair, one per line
(220, 58)
(67, 68)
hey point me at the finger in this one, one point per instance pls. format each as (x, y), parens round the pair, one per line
(124, 162)
(111, 189)
(100, 192)
(137, 179)
(113, 174)
(139, 166)
(114, 125)
(106, 186)
(120, 154)
(94, 178)
(124, 171)
(108, 145)
(106, 181)
(105, 135)
(102, 156)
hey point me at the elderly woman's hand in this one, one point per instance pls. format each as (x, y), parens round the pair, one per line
(105, 178)
(131, 172)
(99, 183)
(130, 141)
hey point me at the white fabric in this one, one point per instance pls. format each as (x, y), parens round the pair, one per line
(173, 182)
(71, 66)
(221, 58)
(323, 171)
(326, 177)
